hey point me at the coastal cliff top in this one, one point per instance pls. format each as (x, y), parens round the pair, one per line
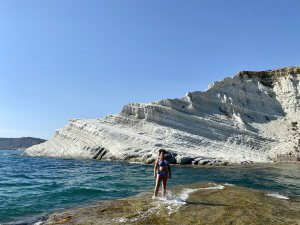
(269, 73)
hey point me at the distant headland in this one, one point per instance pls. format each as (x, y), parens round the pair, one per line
(19, 143)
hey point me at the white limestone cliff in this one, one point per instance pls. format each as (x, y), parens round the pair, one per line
(251, 117)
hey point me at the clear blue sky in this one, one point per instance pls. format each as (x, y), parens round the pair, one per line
(62, 59)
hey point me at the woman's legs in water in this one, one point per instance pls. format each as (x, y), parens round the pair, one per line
(158, 181)
(164, 183)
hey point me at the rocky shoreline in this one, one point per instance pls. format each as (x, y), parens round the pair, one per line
(199, 203)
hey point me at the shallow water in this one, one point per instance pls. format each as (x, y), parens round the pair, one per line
(30, 186)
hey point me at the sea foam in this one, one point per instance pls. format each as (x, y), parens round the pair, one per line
(174, 202)
(277, 195)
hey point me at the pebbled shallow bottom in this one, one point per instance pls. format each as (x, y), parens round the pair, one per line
(199, 203)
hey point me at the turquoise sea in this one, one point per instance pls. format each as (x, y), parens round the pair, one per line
(32, 187)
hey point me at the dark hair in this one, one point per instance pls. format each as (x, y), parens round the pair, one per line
(162, 150)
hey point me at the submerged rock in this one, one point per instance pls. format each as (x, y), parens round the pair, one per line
(251, 117)
(202, 203)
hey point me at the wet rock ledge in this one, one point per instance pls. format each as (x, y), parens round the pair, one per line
(201, 203)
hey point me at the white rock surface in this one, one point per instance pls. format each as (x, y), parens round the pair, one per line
(250, 117)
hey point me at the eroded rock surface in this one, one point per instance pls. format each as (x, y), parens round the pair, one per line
(202, 203)
(251, 117)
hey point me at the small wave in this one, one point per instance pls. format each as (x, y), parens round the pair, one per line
(140, 163)
(228, 184)
(173, 203)
(220, 187)
(38, 223)
(276, 195)
(24, 176)
(10, 152)
(83, 191)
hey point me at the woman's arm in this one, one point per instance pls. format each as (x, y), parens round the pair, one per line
(155, 168)
(169, 171)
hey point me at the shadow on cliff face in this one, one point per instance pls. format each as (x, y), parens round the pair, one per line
(244, 100)
(237, 102)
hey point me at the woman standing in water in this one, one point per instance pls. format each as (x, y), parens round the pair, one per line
(162, 171)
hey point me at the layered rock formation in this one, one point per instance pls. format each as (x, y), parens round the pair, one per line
(251, 117)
